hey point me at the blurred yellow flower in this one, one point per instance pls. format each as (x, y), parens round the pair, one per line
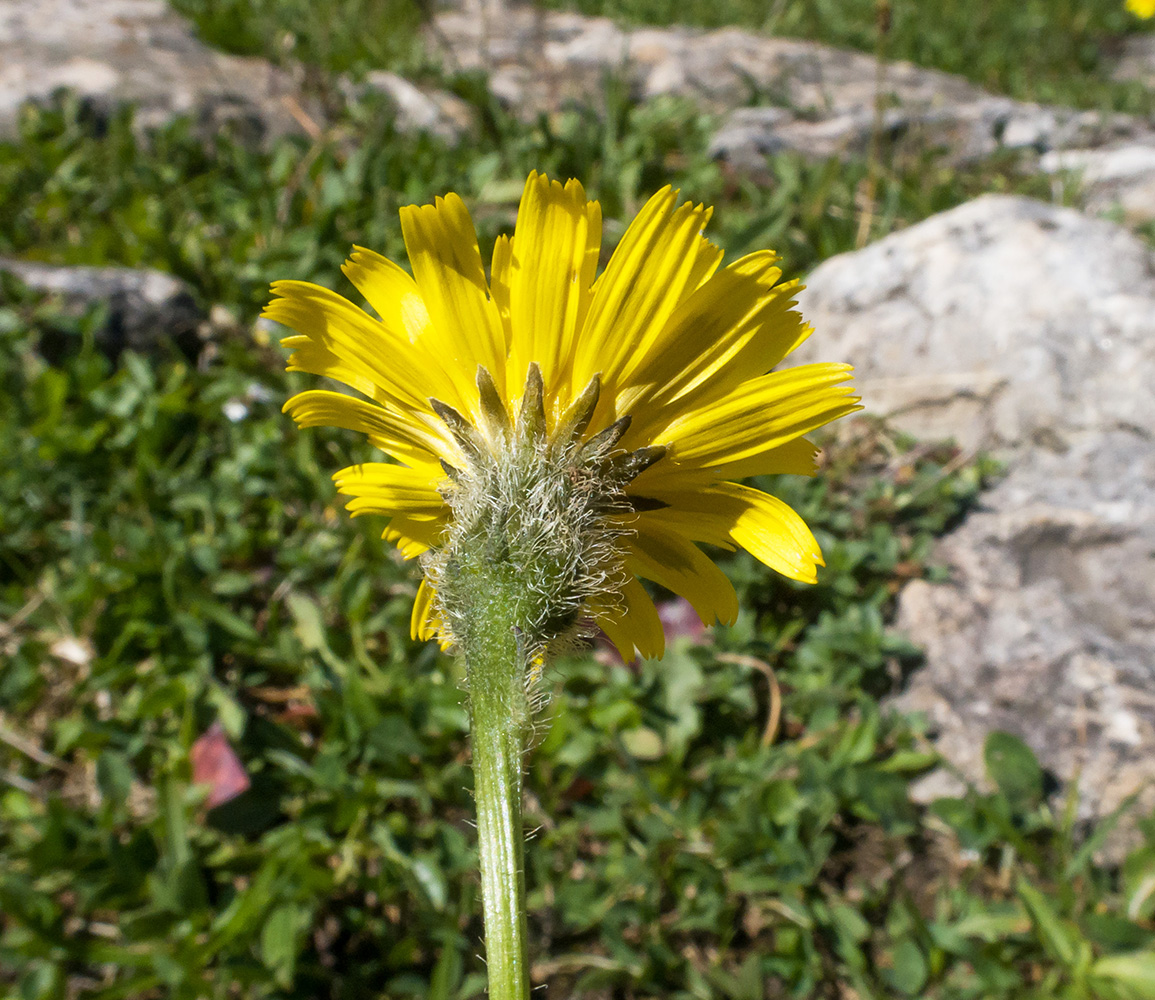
(1141, 8)
(637, 396)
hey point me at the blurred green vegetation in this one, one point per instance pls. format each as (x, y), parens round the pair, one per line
(173, 555)
(230, 218)
(347, 36)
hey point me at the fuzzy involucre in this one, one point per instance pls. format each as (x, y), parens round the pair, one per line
(538, 520)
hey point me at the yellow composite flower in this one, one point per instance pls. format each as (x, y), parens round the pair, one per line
(662, 367)
(1141, 8)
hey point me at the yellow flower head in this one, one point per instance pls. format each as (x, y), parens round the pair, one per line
(583, 429)
(1141, 8)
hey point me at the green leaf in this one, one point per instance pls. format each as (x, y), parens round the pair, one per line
(310, 629)
(1139, 883)
(1135, 971)
(910, 970)
(113, 777)
(910, 762)
(40, 981)
(850, 922)
(1060, 938)
(1098, 837)
(446, 973)
(226, 618)
(431, 880)
(643, 743)
(993, 926)
(279, 941)
(1013, 767)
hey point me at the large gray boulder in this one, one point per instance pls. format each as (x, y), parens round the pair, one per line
(1029, 331)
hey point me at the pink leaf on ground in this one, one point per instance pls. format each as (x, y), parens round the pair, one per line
(215, 764)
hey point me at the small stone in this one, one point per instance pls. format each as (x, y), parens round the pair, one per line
(221, 317)
(145, 309)
(1120, 179)
(437, 112)
(78, 652)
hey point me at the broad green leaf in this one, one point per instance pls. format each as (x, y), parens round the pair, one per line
(993, 926)
(1013, 767)
(279, 941)
(1135, 970)
(910, 970)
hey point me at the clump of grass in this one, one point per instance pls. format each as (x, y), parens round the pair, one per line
(346, 36)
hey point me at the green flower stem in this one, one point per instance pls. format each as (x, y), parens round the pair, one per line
(499, 712)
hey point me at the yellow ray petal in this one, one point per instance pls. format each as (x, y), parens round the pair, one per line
(631, 621)
(734, 515)
(649, 273)
(707, 257)
(466, 323)
(338, 340)
(407, 437)
(738, 325)
(795, 458)
(499, 282)
(554, 256)
(379, 488)
(761, 414)
(672, 560)
(710, 528)
(773, 533)
(390, 291)
(423, 622)
(415, 535)
(616, 632)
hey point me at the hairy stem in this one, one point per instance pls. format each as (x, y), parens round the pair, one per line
(533, 536)
(499, 712)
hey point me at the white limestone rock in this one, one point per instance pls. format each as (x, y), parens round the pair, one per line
(1029, 331)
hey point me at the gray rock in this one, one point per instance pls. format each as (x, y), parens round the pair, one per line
(748, 136)
(811, 98)
(1137, 61)
(437, 112)
(138, 51)
(1117, 181)
(1027, 330)
(144, 308)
